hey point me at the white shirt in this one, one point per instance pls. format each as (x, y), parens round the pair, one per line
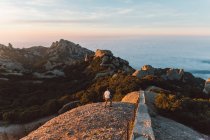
(107, 94)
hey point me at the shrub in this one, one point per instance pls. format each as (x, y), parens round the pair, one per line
(90, 96)
(4, 102)
(9, 116)
(191, 112)
(167, 102)
(29, 114)
(50, 107)
(118, 97)
(65, 99)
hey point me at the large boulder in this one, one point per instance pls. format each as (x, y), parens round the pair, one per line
(88, 122)
(145, 71)
(147, 67)
(175, 74)
(166, 74)
(111, 64)
(207, 86)
(132, 97)
(101, 53)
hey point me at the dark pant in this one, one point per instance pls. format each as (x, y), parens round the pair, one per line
(106, 101)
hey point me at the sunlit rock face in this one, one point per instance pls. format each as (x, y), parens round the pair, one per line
(101, 53)
(145, 70)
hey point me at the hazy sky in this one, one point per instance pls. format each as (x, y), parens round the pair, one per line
(45, 20)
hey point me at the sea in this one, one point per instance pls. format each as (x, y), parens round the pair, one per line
(191, 53)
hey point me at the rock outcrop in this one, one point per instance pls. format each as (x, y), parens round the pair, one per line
(207, 87)
(145, 71)
(174, 74)
(111, 63)
(65, 52)
(166, 74)
(132, 97)
(40, 58)
(49, 62)
(91, 121)
(101, 53)
(8, 58)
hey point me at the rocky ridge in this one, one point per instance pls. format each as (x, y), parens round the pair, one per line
(166, 74)
(41, 59)
(172, 79)
(50, 62)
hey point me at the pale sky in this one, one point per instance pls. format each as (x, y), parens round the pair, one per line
(45, 20)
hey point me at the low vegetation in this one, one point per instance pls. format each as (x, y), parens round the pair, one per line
(194, 112)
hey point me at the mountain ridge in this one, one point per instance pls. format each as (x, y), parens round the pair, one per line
(37, 57)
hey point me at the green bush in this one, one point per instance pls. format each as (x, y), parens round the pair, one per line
(167, 102)
(119, 87)
(192, 112)
(85, 98)
(117, 97)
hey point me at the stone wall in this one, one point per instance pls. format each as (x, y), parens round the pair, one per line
(142, 125)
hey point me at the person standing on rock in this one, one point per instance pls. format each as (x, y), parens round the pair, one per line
(107, 97)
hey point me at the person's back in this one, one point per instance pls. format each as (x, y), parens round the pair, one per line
(107, 97)
(107, 94)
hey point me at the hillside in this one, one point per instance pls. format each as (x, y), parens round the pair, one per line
(74, 74)
(39, 58)
(40, 92)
